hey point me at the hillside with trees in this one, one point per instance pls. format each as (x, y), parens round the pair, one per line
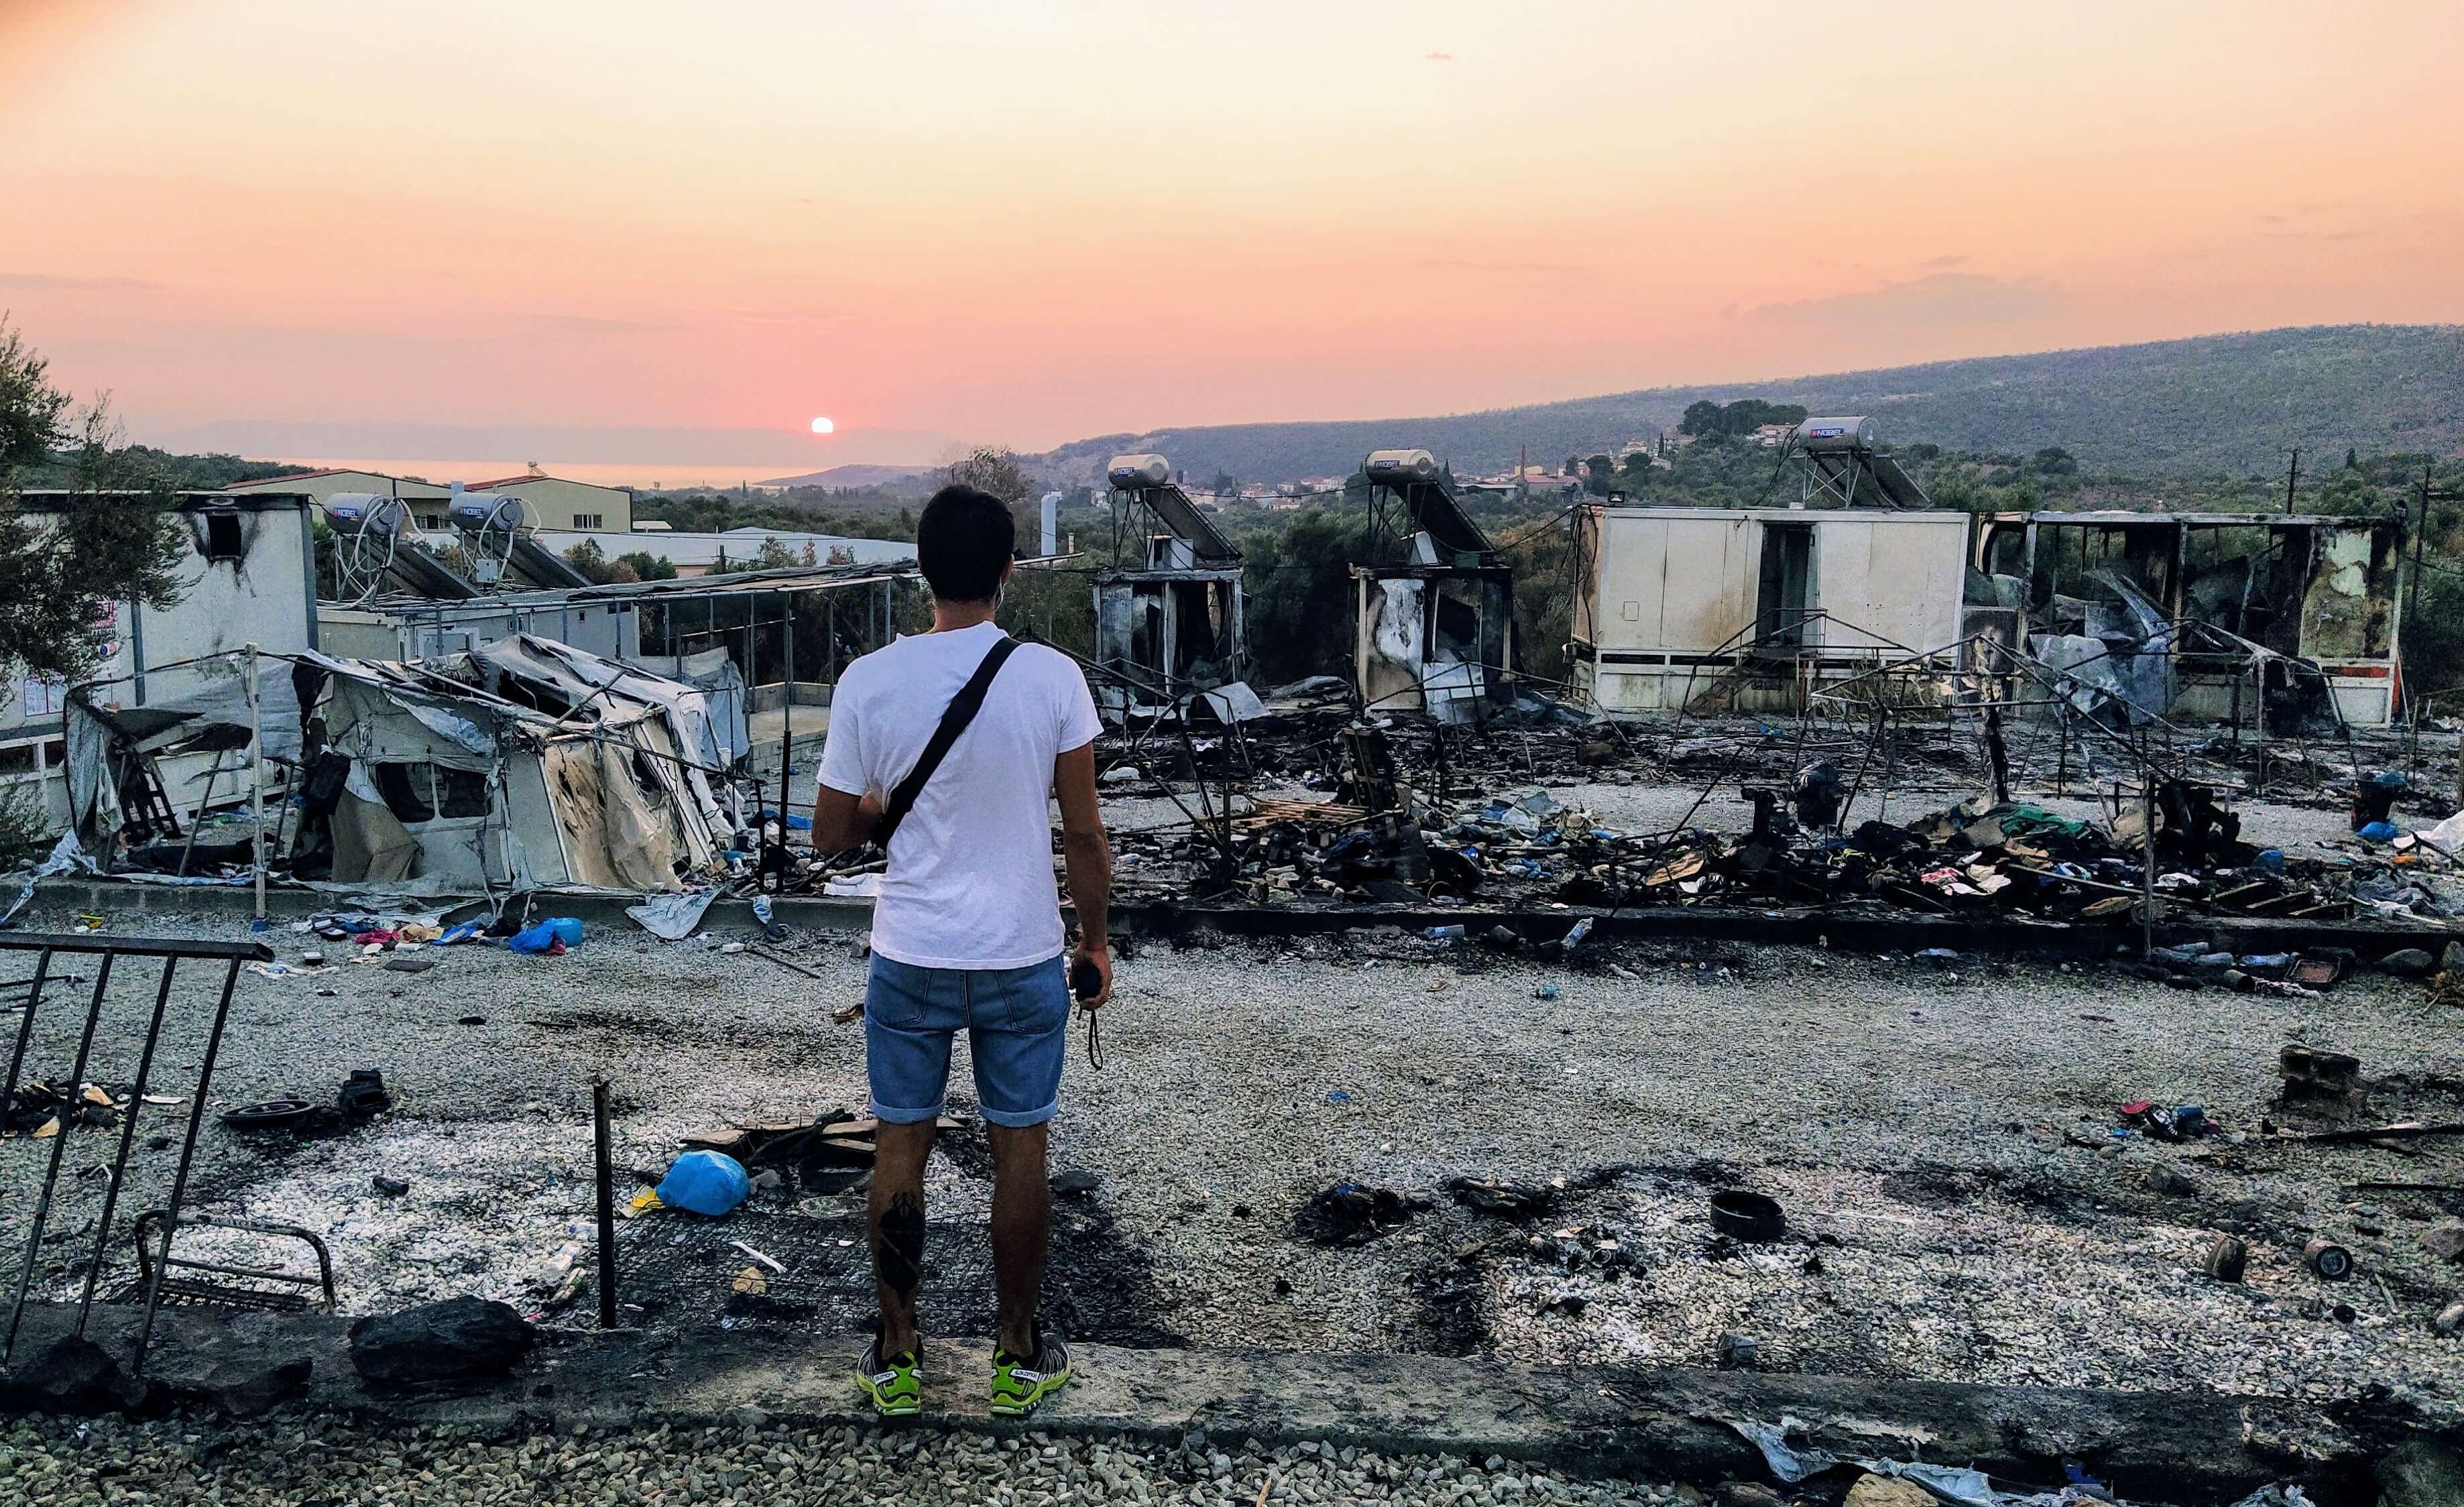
(2231, 404)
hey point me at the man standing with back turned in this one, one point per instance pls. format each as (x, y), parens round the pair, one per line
(952, 741)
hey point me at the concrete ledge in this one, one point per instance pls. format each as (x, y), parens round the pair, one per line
(111, 898)
(1664, 1424)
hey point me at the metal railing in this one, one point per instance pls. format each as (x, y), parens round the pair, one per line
(110, 950)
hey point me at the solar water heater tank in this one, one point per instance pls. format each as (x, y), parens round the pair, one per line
(1130, 472)
(1830, 435)
(479, 511)
(1393, 467)
(365, 512)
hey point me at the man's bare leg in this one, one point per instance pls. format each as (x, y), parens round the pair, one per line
(897, 1208)
(1021, 1227)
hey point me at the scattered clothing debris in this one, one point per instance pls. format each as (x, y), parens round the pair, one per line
(2183, 1122)
(674, 915)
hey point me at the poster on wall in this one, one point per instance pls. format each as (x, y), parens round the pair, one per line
(42, 698)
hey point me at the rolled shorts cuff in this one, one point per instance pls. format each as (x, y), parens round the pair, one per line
(1016, 1120)
(890, 1116)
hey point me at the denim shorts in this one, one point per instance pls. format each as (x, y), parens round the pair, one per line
(1017, 1021)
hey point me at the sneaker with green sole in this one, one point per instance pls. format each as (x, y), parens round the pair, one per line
(1021, 1383)
(895, 1383)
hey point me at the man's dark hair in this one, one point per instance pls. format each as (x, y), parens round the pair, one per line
(964, 538)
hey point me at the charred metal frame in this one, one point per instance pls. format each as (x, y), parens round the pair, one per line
(1174, 598)
(1192, 574)
(2302, 612)
(172, 951)
(1419, 512)
(1385, 684)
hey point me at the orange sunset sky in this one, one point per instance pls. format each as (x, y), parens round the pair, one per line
(1030, 222)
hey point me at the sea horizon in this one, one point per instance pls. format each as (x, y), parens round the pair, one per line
(639, 476)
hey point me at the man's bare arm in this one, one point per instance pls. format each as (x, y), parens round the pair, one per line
(1088, 858)
(842, 822)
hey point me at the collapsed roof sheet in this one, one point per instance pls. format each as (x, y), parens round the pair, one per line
(201, 706)
(608, 792)
(527, 763)
(587, 681)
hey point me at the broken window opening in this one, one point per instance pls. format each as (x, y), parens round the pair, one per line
(406, 790)
(1454, 622)
(2006, 551)
(223, 537)
(417, 793)
(2228, 579)
(461, 791)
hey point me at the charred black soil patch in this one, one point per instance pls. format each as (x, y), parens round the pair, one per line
(675, 1271)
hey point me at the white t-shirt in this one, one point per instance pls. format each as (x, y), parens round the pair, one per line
(970, 883)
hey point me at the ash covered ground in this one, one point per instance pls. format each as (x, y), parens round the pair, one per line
(1939, 1135)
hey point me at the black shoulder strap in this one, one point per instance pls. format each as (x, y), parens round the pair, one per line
(962, 710)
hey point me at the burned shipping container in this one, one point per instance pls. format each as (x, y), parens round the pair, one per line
(1175, 627)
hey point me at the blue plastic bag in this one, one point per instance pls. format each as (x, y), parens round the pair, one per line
(708, 1183)
(534, 940)
(2377, 832)
(546, 935)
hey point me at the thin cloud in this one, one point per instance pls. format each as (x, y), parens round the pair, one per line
(1937, 300)
(47, 281)
(1438, 57)
(1942, 264)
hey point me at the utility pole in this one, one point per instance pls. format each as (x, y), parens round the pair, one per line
(255, 796)
(2412, 585)
(2290, 473)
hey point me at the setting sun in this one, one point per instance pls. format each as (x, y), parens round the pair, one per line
(823, 427)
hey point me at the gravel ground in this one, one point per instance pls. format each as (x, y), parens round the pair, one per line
(1919, 1123)
(61, 1463)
